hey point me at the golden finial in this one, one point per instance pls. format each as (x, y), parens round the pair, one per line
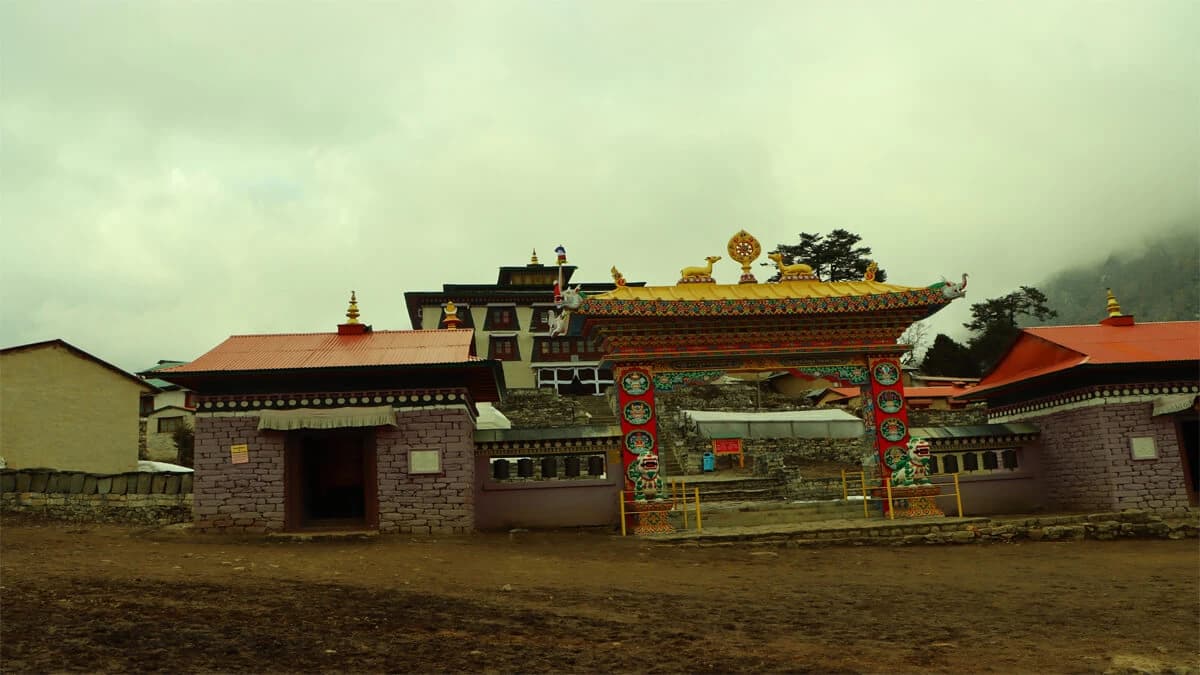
(533, 258)
(352, 312)
(871, 269)
(451, 320)
(1113, 307)
(618, 278)
(744, 248)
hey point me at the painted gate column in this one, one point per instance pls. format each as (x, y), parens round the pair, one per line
(889, 413)
(645, 503)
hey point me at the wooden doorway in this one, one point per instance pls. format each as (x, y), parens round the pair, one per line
(1188, 430)
(330, 481)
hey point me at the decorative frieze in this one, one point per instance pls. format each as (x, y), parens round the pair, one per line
(1090, 396)
(397, 398)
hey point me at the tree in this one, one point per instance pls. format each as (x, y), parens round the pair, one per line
(916, 337)
(185, 444)
(949, 359)
(1004, 311)
(994, 323)
(833, 257)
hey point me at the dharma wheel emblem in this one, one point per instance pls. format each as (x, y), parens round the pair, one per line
(744, 248)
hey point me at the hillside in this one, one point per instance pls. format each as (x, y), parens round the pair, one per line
(1159, 281)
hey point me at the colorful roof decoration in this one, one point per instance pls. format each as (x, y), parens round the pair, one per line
(797, 292)
(1039, 352)
(246, 353)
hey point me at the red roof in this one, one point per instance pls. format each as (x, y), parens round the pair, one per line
(331, 350)
(1050, 349)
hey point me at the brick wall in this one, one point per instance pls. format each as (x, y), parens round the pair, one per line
(237, 497)
(1088, 466)
(424, 504)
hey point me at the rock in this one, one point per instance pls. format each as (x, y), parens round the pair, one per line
(962, 537)
(506, 588)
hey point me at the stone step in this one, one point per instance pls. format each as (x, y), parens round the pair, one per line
(733, 514)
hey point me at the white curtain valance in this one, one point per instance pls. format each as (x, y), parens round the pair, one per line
(1173, 403)
(331, 418)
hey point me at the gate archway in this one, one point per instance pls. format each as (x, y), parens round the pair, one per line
(659, 336)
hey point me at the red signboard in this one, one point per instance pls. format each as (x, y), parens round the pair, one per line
(727, 446)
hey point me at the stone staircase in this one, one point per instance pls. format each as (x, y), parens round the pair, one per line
(751, 514)
(597, 407)
(732, 488)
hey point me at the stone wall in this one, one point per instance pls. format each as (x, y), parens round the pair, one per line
(136, 497)
(540, 408)
(1088, 466)
(424, 504)
(238, 497)
(782, 458)
(975, 413)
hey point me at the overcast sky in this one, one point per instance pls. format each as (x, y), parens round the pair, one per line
(172, 173)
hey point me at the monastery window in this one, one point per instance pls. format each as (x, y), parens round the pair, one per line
(1009, 459)
(169, 425)
(577, 380)
(557, 467)
(503, 317)
(933, 465)
(504, 348)
(970, 461)
(990, 461)
(950, 464)
(540, 323)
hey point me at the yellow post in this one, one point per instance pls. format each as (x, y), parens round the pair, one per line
(958, 496)
(862, 476)
(685, 520)
(621, 502)
(699, 525)
(844, 495)
(891, 507)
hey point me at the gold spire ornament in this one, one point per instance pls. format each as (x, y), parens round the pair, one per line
(352, 312)
(744, 248)
(533, 258)
(1113, 307)
(451, 321)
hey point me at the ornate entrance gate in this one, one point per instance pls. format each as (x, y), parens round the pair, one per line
(661, 336)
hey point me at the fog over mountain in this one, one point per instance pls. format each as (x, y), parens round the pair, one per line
(172, 173)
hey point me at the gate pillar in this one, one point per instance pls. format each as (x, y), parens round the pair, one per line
(645, 500)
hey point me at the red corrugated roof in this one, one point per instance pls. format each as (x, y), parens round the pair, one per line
(1050, 349)
(1139, 343)
(330, 350)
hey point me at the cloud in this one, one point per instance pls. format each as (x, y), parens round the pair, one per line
(174, 173)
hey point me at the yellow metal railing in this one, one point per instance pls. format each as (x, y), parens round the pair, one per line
(862, 481)
(957, 494)
(679, 502)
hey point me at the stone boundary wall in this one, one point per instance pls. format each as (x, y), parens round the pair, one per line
(1132, 524)
(136, 497)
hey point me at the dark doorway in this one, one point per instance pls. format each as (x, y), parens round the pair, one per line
(331, 481)
(1189, 447)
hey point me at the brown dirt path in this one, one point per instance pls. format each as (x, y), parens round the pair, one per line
(118, 599)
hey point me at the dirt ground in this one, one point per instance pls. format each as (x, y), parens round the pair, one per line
(128, 600)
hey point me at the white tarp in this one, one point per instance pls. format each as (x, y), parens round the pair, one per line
(830, 423)
(1173, 403)
(490, 418)
(327, 418)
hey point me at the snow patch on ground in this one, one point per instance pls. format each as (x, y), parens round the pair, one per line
(161, 467)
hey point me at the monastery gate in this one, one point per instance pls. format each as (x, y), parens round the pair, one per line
(843, 332)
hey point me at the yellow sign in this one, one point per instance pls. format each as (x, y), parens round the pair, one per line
(239, 454)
